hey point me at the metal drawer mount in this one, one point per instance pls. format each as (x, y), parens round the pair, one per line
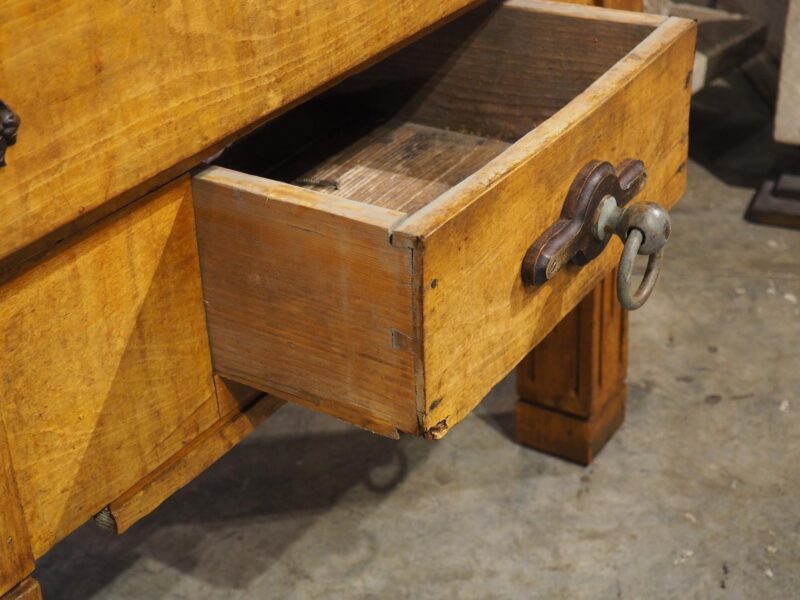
(9, 124)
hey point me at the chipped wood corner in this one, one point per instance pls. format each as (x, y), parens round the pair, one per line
(437, 431)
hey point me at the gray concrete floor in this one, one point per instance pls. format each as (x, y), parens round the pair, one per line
(696, 496)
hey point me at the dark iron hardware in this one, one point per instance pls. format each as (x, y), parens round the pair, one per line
(595, 208)
(9, 125)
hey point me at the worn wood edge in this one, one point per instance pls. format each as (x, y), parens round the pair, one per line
(10, 269)
(279, 191)
(27, 589)
(341, 411)
(587, 12)
(420, 225)
(418, 316)
(183, 467)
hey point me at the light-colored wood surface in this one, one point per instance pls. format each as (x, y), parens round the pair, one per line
(190, 462)
(106, 368)
(16, 558)
(27, 590)
(617, 4)
(471, 240)
(113, 95)
(306, 301)
(567, 381)
(401, 165)
(306, 298)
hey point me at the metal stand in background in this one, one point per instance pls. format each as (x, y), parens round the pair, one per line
(777, 203)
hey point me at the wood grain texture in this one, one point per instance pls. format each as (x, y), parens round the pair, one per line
(471, 240)
(106, 371)
(16, 557)
(401, 165)
(306, 298)
(567, 436)
(234, 397)
(27, 590)
(583, 361)
(617, 4)
(566, 382)
(116, 98)
(635, 5)
(191, 461)
(499, 70)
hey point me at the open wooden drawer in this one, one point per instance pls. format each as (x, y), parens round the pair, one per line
(361, 254)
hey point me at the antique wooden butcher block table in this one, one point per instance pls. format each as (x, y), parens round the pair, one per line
(411, 196)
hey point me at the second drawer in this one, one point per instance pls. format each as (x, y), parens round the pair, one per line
(361, 254)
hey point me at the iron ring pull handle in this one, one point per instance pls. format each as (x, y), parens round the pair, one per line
(645, 229)
(598, 205)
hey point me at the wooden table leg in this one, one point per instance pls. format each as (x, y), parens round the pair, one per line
(572, 385)
(28, 589)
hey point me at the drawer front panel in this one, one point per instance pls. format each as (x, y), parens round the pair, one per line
(307, 299)
(479, 320)
(105, 370)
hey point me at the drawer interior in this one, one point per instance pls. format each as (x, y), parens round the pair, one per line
(417, 123)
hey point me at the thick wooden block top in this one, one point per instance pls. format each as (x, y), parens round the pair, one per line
(116, 98)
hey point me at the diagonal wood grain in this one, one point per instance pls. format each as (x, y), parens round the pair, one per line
(114, 94)
(16, 557)
(106, 371)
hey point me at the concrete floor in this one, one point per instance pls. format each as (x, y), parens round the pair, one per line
(696, 496)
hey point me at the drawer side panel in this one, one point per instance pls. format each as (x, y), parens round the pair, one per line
(480, 320)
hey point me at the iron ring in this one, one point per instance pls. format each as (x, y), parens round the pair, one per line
(633, 300)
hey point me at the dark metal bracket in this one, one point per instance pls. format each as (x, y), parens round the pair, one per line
(571, 239)
(9, 125)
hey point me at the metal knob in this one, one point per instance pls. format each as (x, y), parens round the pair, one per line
(645, 229)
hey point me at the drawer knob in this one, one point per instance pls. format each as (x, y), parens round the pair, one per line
(596, 207)
(9, 124)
